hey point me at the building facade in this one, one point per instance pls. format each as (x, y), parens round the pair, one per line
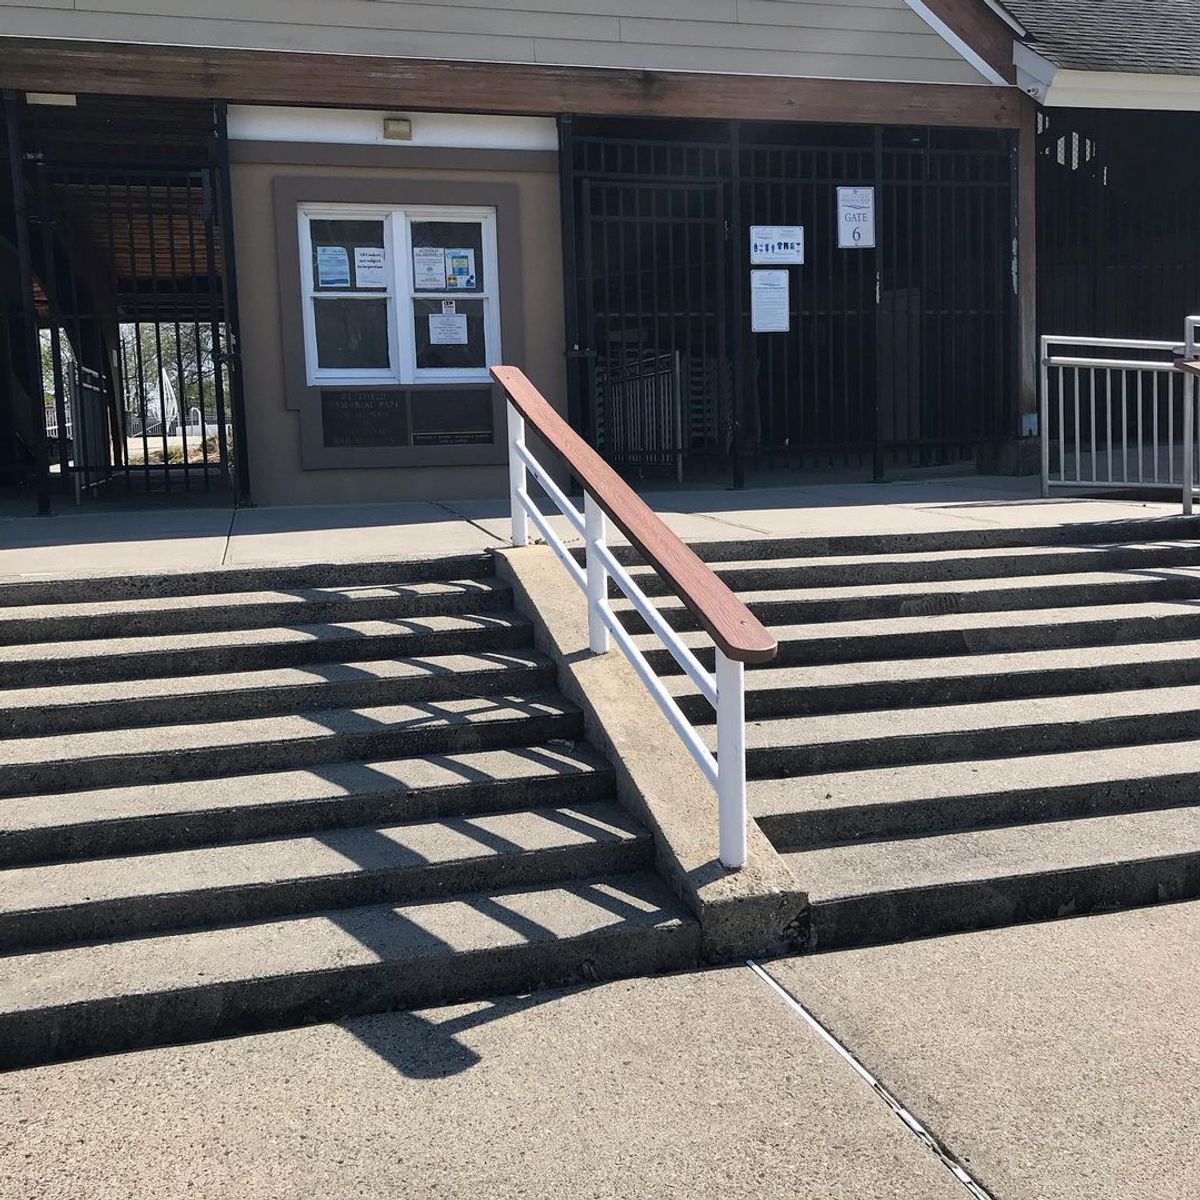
(277, 246)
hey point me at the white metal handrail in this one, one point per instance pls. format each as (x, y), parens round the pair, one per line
(1109, 420)
(724, 689)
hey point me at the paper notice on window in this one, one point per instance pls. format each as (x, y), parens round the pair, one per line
(333, 267)
(370, 267)
(460, 268)
(769, 302)
(429, 268)
(448, 328)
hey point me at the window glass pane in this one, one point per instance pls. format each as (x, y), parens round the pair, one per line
(452, 418)
(349, 256)
(447, 256)
(449, 334)
(352, 334)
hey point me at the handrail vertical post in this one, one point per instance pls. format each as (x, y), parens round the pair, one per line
(518, 479)
(1189, 417)
(1044, 419)
(596, 531)
(731, 762)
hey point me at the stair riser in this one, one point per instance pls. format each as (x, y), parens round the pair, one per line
(87, 590)
(776, 761)
(798, 611)
(921, 818)
(178, 831)
(1166, 529)
(234, 905)
(263, 702)
(881, 573)
(210, 660)
(875, 697)
(209, 618)
(986, 904)
(938, 643)
(222, 1010)
(195, 763)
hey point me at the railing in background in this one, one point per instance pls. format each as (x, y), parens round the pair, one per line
(738, 635)
(1120, 417)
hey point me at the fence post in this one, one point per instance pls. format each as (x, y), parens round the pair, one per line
(1189, 416)
(731, 762)
(1044, 418)
(517, 476)
(595, 527)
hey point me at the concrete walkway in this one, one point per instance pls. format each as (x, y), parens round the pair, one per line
(1055, 1061)
(111, 541)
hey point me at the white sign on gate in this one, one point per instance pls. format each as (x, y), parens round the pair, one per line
(856, 218)
(776, 245)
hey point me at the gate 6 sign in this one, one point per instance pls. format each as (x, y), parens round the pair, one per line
(856, 218)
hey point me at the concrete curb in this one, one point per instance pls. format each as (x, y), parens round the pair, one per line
(757, 911)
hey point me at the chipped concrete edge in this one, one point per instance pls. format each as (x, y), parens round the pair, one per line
(757, 911)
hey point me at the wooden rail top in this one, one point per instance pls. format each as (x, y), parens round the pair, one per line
(1190, 365)
(739, 634)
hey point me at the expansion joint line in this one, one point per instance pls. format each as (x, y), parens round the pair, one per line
(948, 1159)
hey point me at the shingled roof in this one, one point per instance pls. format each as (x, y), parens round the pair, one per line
(1133, 36)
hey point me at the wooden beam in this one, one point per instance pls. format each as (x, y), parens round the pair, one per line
(989, 35)
(270, 77)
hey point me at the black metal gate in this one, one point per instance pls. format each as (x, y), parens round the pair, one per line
(901, 354)
(131, 281)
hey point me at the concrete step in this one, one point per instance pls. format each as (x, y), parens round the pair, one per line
(917, 887)
(832, 807)
(959, 633)
(874, 602)
(941, 566)
(91, 589)
(146, 616)
(140, 818)
(79, 707)
(238, 882)
(189, 986)
(805, 745)
(157, 754)
(892, 543)
(99, 660)
(964, 679)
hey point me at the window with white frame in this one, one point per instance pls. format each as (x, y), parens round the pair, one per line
(399, 295)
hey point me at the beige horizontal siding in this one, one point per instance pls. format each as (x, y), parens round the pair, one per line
(838, 39)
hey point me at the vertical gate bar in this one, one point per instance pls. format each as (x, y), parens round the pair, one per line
(1108, 422)
(232, 314)
(1189, 381)
(1140, 451)
(155, 307)
(50, 288)
(214, 321)
(179, 376)
(738, 358)
(120, 385)
(13, 101)
(1061, 379)
(1044, 422)
(82, 463)
(1155, 448)
(570, 261)
(1170, 429)
(1078, 432)
(137, 331)
(201, 396)
(1125, 426)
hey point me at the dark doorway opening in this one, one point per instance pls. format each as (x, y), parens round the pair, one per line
(902, 354)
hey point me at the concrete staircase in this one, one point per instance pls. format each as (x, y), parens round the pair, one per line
(973, 729)
(243, 799)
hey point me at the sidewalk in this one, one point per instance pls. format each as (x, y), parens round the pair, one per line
(1055, 1061)
(109, 542)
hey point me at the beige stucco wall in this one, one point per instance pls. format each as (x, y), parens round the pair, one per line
(274, 430)
(834, 39)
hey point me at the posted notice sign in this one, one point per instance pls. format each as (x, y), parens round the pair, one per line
(769, 302)
(776, 245)
(856, 218)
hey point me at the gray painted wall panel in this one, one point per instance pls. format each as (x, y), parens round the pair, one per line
(839, 39)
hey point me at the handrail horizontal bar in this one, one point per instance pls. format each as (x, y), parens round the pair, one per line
(738, 633)
(1111, 364)
(1115, 343)
(561, 502)
(658, 623)
(552, 540)
(691, 739)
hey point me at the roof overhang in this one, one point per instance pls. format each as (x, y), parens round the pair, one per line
(1061, 87)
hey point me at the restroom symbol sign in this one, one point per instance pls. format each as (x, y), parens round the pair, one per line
(776, 245)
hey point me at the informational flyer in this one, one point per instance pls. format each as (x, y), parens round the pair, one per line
(429, 268)
(449, 327)
(777, 245)
(333, 267)
(460, 268)
(370, 267)
(769, 302)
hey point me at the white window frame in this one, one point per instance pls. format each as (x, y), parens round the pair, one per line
(400, 294)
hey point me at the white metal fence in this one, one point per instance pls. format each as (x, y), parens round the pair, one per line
(1117, 413)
